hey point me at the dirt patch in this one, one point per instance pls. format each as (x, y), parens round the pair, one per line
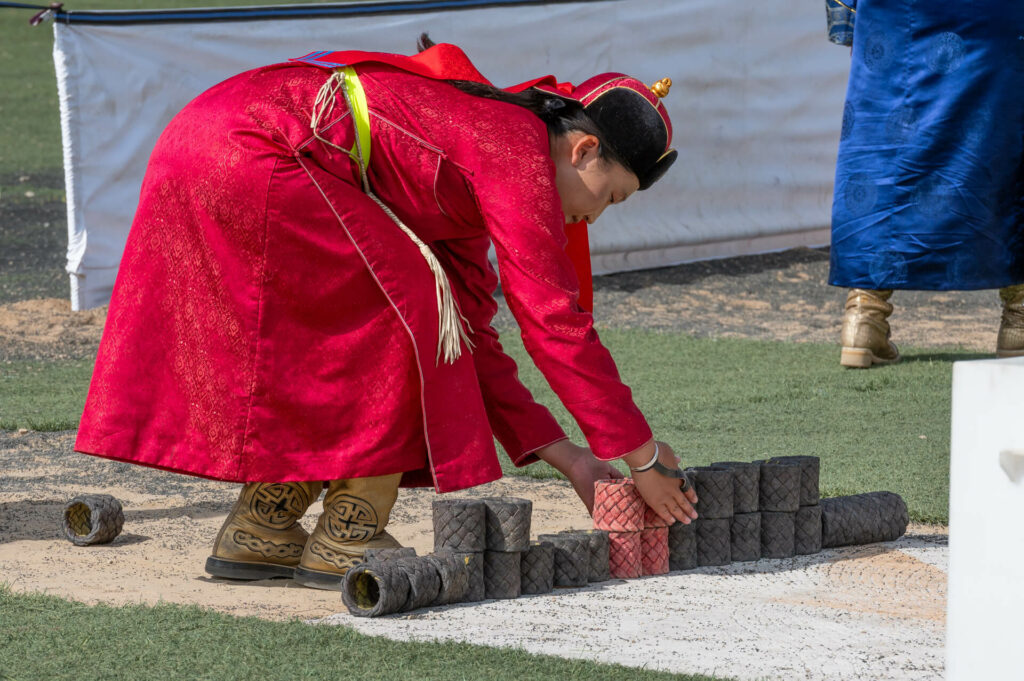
(48, 329)
(783, 296)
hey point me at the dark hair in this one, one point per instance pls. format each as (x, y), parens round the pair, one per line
(560, 114)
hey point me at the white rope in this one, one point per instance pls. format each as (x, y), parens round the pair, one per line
(324, 105)
(450, 330)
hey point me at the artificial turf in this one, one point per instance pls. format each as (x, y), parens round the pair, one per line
(44, 637)
(40, 395)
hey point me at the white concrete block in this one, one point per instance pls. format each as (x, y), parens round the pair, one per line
(985, 611)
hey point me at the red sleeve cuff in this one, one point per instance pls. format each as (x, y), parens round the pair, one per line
(528, 435)
(612, 429)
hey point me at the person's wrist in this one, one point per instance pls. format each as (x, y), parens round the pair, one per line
(650, 463)
(560, 455)
(640, 456)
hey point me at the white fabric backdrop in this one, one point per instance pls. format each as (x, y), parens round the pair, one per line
(756, 104)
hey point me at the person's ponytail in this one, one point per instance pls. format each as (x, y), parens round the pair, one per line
(561, 115)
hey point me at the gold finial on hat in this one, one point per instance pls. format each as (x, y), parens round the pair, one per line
(660, 89)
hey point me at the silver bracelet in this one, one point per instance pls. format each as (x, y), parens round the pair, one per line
(650, 464)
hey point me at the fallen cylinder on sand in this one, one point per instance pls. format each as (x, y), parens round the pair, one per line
(863, 519)
(375, 589)
(92, 519)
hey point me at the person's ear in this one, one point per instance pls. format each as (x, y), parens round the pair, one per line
(584, 148)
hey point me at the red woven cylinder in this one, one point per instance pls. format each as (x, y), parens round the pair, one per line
(652, 519)
(618, 507)
(654, 550)
(624, 555)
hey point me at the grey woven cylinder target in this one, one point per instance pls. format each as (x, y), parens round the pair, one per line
(454, 577)
(810, 474)
(460, 525)
(502, 577)
(745, 536)
(863, 519)
(598, 569)
(572, 558)
(474, 562)
(714, 491)
(92, 519)
(424, 581)
(807, 530)
(600, 547)
(375, 589)
(778, 534)
(714, 541)
(389, 553)
(508, 523)
(537, 568)
(779, 486)
(746, 479)
(682, 546)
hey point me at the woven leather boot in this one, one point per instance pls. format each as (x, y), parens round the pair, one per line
(355, 514)
(1011, 328)
(865, 334)
(261, 537)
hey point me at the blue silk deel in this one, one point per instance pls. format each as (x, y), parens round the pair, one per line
(929, 190)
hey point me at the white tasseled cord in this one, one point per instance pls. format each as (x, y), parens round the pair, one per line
(451, 324)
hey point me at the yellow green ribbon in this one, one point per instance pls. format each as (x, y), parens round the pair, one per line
(360, 116)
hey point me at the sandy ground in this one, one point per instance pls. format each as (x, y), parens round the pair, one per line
(874, 612)
(871, 612)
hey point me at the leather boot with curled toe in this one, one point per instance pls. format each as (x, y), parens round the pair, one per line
(261, 537)
(865, 333)
(356, 511)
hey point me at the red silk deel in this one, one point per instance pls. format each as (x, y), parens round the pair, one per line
(448, 62)
(271, 323)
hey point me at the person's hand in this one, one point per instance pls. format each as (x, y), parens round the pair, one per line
(663, 494)
(587, 469)
(580, 466)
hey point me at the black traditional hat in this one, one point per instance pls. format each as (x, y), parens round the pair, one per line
(631, 117)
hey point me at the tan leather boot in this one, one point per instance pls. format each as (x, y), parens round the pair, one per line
(865, 334)
(1011, 329)
(261, 537)
(356, 511)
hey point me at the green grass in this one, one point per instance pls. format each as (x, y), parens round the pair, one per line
(43, 395)
(43, 637)
(717, 400)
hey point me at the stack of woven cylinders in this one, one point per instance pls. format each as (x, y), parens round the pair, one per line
(807, 522)
(714, 488)
(490, 537)
(460, 526)
(637, 537)
(790, 514)
(745, 529)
